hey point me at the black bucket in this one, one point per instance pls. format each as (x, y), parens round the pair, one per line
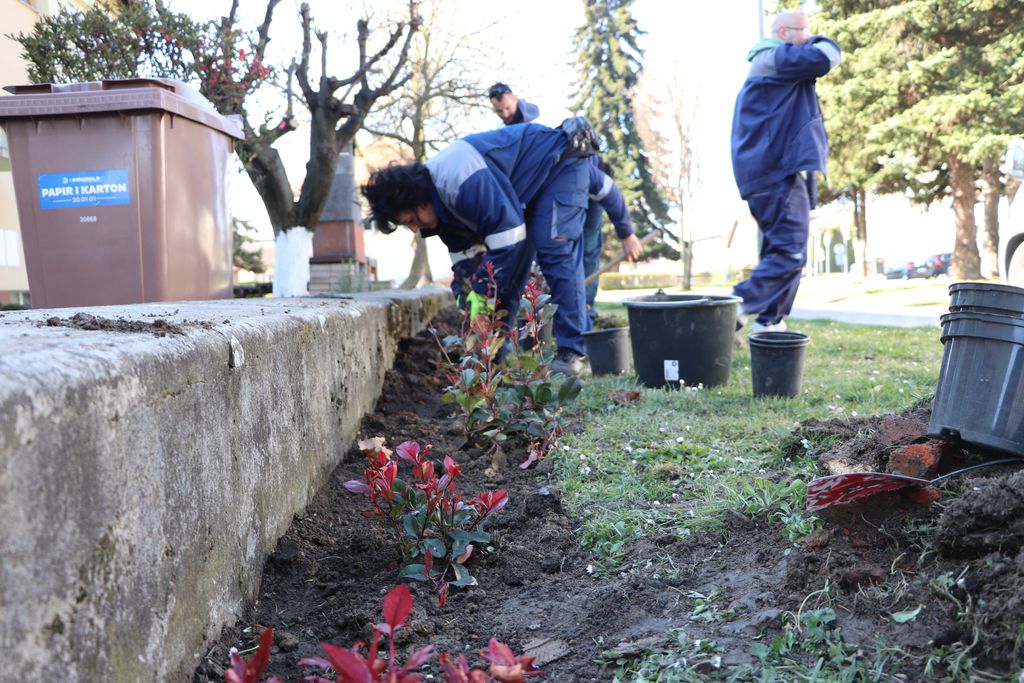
(980, 395)
(608, 350)
(777, 362)
(981, 297)
(682, 339)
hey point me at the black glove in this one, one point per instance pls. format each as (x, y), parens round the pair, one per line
(583, 140)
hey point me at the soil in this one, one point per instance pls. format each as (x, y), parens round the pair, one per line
(159, 327)
(961, 558)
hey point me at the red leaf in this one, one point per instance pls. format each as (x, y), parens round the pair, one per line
(454, 469)
(397, 606)
(357, 486)
(409, 451)
(348, 663)
(250, 670)
(498, 652)
(418, 658)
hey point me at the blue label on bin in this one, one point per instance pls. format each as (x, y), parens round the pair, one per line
(83, 189)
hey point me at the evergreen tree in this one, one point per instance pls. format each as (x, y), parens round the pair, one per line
(928, 96)
(609, 66)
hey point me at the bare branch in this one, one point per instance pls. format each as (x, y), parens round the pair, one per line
(307, 47)
(264, 30)
(322, 37)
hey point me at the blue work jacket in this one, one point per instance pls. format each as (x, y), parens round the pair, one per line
(604, 191)
(777, 127)
(483, 185)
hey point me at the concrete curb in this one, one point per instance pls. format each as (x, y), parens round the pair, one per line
(144, 478)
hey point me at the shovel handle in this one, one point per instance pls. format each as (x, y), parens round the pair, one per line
(644, 241)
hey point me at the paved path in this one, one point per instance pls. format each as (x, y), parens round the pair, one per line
(899, 317)
(891, 316)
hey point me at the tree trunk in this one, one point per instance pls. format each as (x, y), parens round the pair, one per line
(293, 248)
(860, 229)
(992, 190)
(419, 273)
(966, 260)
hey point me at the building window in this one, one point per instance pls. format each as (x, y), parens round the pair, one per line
(10, 249)
(5, 151)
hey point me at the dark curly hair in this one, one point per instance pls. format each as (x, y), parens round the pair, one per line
(394, 189)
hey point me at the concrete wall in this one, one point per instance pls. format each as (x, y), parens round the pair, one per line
(144, 479)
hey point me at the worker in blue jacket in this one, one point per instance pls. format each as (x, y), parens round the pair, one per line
(604, 195)
(514, 194)
(778, 143)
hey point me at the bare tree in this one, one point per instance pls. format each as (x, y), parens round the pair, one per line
(432, 108)
(229, 65)
(665, 119)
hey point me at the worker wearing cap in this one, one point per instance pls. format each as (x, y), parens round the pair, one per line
(512, 194)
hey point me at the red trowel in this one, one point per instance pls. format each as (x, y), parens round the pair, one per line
(844, 488)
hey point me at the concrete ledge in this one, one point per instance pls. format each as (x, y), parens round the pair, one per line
(144, 478)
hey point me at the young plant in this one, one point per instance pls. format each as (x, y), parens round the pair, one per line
(351, 665)
(505, 392)
(428, 517)
(249, 670)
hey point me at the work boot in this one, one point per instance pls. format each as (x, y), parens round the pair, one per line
(772, 327)
(570, 364)
(738, 340)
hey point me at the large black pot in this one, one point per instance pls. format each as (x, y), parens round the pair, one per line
(980, 394)
(682, 339)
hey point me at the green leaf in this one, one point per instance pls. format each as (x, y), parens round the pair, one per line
(471, 536)
(416, 572)
(435, 546)
(412, 523)
(462, 577)
(569, 390)
(908, 615)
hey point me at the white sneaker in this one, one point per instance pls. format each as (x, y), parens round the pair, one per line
(774, 327)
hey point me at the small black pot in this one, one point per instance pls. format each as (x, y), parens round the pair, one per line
(608, 350)
(777, 362)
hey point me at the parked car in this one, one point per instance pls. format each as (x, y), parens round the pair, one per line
(1011, 244)
(938, 264)
(907, 271)
(1011, 232)
(933, 266)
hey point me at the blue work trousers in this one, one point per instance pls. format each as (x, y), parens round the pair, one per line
(783, 216)
(593, 241)
(554, 229)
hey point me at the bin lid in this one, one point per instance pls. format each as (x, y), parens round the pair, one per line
(97, 97)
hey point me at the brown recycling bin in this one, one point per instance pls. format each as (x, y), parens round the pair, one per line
(121, 191)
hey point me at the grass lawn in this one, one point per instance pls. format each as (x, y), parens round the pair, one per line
(678, 461)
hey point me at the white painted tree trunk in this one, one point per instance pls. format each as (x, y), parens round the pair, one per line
(293, 249)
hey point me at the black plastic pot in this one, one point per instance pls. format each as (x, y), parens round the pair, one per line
(980, 394)
(777, 362)
(608, 350)
(981, 297)
(682, 339)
